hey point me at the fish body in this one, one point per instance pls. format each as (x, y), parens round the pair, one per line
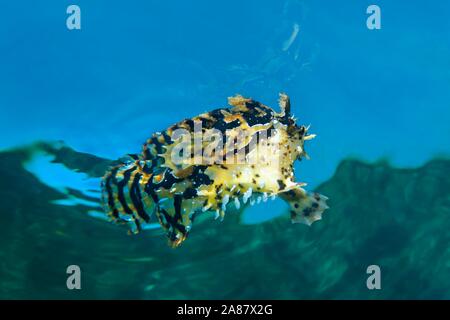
(229, 157)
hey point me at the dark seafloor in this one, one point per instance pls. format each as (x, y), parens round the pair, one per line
(395, 218)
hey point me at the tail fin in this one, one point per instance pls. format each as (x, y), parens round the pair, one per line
(122, 195)
(305, 207)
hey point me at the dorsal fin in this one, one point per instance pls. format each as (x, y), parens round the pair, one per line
(285, 105)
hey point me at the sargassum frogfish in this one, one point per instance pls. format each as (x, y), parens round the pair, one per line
(230, 157)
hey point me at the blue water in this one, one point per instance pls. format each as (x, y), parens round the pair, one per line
(135, 68)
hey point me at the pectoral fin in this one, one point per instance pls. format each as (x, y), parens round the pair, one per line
(304, 207)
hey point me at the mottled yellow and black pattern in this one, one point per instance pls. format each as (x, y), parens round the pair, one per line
(151, 184)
